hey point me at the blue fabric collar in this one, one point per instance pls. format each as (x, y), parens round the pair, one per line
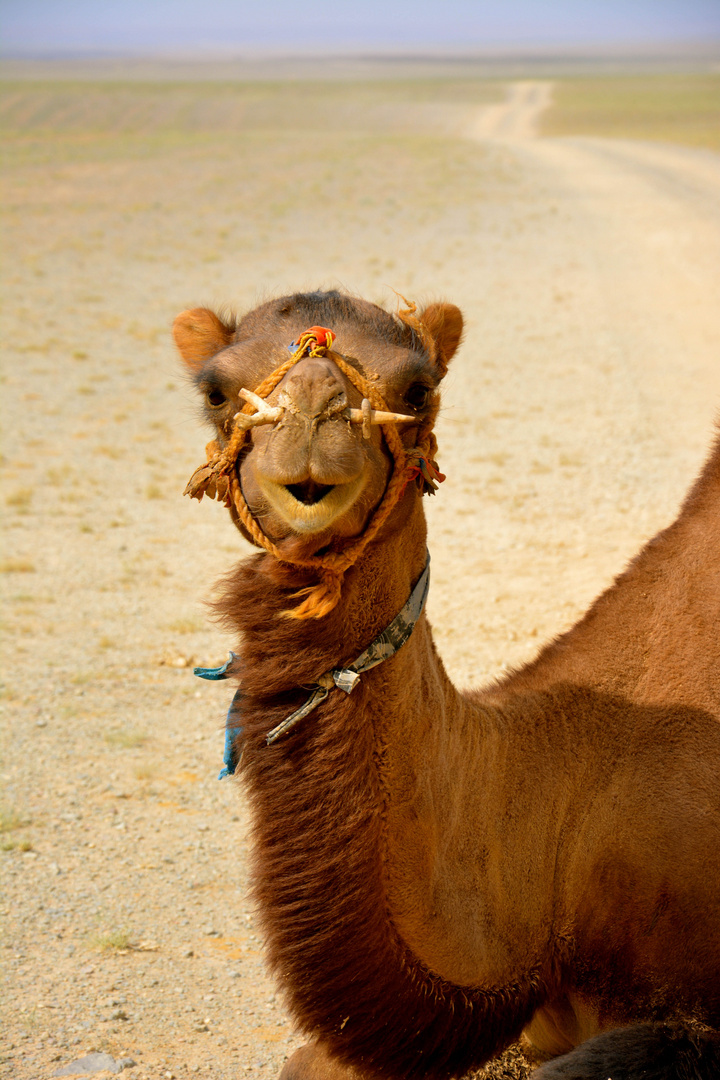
(382, 648)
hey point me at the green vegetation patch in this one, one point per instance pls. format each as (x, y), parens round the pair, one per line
(145, 108)
(55, 122)
(667, 108)
(125, 739)
(10, 819)
(113, 941)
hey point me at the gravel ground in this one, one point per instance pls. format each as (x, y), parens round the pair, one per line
(576, 415)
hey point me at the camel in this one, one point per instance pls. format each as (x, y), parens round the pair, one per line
(441, 873)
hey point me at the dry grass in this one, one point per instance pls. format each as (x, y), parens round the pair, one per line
(10, 820)
(668, 108)
(17, 566)
(111, 941)
(16, 845)
(20, 499)
(125, 739)
(512, 1065)
(189, 625)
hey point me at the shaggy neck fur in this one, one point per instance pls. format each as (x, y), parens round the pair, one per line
(320, 817)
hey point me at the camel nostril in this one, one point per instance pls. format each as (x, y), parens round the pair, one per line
(315, 388)
(309, 492)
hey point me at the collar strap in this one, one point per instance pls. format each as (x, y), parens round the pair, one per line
(382, 648)
(385, 645)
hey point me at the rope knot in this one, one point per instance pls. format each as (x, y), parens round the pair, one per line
(315, 341)
(211, 479)
(423, 468)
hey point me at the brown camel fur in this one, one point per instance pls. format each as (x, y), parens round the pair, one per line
(440, 872)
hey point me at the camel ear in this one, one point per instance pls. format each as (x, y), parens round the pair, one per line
(200, 334)
(444, 322)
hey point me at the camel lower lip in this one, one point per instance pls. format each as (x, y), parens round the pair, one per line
(310, 516)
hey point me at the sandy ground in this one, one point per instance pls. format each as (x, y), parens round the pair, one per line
(575, 416)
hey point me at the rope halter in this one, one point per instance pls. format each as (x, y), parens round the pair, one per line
(219, 478)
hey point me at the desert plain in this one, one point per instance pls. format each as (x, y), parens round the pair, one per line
(576, 223)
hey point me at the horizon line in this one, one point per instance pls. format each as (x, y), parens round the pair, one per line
(255, 52)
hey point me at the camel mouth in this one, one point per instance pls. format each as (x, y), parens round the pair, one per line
(310, 507)
(309, 492)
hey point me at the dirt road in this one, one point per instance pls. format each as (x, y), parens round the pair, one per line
(575, 416)
(514, 118)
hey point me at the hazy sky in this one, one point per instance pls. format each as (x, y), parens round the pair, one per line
(62, 25)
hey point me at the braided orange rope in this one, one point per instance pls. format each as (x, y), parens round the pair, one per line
(408, 465)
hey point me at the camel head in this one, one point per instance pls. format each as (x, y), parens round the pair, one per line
(305, 466)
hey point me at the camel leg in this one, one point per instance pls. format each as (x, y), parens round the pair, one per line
(312, 1062)
(641, 1052)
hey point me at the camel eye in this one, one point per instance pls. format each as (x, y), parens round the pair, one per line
(216, 398)
(417, 395)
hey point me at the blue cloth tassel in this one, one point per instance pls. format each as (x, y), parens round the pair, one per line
(232, 731)
(230, 759)
(215, 673)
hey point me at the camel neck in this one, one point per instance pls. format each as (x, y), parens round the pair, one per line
(321, 802)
